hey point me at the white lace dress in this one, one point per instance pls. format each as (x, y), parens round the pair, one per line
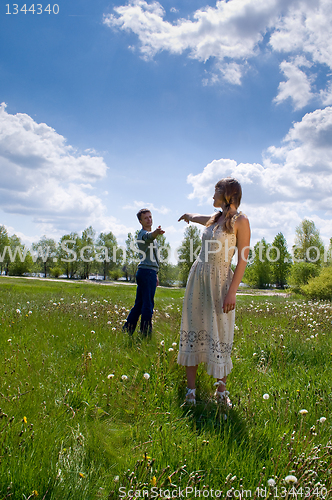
(206, 331)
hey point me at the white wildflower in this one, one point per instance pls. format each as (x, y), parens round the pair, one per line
(170, 349)
(18, 311)
(124, 377)
(266, 396)
(322, 420)
(290, 479)
(303, 412)
(146, 376)
(271, 483)
(111, 375)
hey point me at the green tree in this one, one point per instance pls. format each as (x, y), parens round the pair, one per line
(107, 253)
(301, 273)
(67, 253)
(258, 272)
(281, 261)
(308, 246)
(132, 257)
(87, 252)
(45, 251)
(20, 261)
(166, 274)
(188, 251)
(4, 242)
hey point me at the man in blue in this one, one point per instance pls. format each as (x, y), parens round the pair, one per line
(146, 276)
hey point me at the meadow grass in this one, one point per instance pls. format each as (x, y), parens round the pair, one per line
(79, 420)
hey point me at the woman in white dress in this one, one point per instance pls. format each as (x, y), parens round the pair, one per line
(208, 316)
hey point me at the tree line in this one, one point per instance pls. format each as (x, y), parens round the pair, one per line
(80, 256)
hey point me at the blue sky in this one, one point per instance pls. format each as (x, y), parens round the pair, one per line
(111, 106)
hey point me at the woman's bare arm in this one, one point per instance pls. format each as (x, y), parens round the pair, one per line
(242, 231)
(199, 219)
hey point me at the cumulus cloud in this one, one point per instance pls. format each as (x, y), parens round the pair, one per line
(46, 178)
(137, 205)
(297, 86)
(294, 180)
(235, 31)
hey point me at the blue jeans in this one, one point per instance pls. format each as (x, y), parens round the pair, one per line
(144, 303)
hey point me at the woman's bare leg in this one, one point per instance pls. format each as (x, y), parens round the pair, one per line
(191, 376)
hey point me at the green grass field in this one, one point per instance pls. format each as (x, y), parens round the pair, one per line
(79, 420)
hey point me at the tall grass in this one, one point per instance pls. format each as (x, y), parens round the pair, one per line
(79, 420)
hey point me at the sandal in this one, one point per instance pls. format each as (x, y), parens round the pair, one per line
(190, 400)
(221, 397)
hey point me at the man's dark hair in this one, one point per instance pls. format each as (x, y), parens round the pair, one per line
(141, 212)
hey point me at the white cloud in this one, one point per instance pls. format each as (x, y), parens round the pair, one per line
(297, 86)
(293, 182)
(43, 177)
(233, 32)
(137, 205)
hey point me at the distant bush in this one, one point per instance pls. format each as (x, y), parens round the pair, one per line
(320, 287)
(56, 271)
(301, 273)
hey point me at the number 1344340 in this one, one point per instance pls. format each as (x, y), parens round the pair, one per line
(37, 8)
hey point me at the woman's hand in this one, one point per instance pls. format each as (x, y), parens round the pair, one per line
(185, 217)
(229, 302)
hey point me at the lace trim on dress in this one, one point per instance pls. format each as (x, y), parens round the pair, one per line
(203, 339)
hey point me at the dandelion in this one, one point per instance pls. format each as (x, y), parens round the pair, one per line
(146, 376)
(110, 376)
(290, 479)
(18, 311)
(35, 493)
(153, 481)
(271, 483)
(124, 377)
(266, 396)
(303, 412)
(322, 420)
(25, 420)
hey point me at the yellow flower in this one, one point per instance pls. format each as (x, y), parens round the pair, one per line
(81, 474)
(35, 493)
(25, 420)
(153, 481)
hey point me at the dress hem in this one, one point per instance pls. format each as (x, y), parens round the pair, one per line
(216, 371)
